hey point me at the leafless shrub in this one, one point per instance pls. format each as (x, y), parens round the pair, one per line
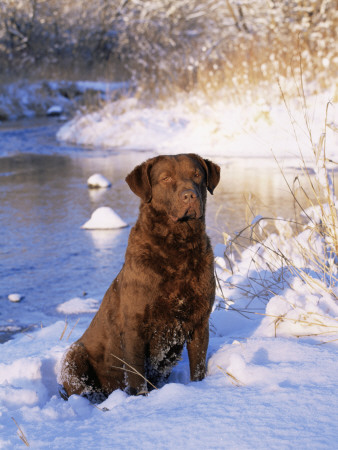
(170, 45)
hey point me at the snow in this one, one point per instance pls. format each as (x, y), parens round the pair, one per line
(24, 99)
(79, 305)
(15, 298)
(98, 181)
(209, 126)
(55, 110)
(104, 218)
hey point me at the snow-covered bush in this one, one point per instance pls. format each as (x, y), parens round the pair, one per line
(187, 44)
(165, 45)
(289, 276)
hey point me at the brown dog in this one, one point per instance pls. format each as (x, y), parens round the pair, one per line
(163, 296)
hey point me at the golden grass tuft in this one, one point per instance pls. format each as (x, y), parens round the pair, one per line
(21, 434)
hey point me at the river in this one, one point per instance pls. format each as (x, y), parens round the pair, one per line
(44, 200)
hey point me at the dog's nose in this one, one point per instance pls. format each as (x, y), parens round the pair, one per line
(188, 196)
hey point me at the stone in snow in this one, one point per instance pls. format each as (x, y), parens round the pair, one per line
(15, 298)
(98, 181)
(104, 218)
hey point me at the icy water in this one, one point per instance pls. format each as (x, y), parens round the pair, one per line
(44, 200)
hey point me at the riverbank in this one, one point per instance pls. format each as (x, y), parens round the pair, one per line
(267, 128)
(43, 98)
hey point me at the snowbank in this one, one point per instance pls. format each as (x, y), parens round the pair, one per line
(208, 126)
(23, 99)
(259, 393)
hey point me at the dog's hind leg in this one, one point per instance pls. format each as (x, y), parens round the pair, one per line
(77, 374)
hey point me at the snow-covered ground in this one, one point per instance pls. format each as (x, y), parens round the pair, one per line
(272, 365)
(273, 354)
(43, 98)
(210, 126)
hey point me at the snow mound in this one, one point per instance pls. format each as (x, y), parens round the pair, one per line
(15, 298)
(55, 110)
(270, 364)
(104, 218)
(78, 305)
(98, 181)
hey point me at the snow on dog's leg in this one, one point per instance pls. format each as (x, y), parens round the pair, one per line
(77, 374)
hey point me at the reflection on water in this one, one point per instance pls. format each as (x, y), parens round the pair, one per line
(105, 241)
(44, 200)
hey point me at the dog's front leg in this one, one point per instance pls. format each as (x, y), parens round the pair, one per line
(197, 351)
(134, 363)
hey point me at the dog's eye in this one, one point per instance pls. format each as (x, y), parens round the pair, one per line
(166, 179)
(197, 174)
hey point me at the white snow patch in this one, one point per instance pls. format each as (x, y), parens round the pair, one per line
(104, 218)
(28, 368)
(55, 110)
(15, 298)
(79, 305)
(98, 181)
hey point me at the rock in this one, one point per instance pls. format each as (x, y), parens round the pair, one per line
(4, 114)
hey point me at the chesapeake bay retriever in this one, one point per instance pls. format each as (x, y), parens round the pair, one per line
(162, 297)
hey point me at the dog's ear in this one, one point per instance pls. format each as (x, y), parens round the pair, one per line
(139, 181)
(213, 175)
(213, 172)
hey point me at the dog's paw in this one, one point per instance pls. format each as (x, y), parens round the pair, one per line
(63, 393)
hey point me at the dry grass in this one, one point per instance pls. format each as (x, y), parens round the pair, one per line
(21, 434)
(133, 370)
(312, 258)
(65, 329)
(235, 381)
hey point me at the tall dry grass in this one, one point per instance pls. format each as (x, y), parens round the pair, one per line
(282, 250)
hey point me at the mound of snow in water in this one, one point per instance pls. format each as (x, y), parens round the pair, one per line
(98, 181)
(78, 305)
(15, 298)
(104, 218)
(55, 110)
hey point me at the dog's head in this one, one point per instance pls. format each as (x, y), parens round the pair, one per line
(175, 185)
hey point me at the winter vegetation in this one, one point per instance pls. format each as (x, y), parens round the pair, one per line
(288, 276)
(166, 45)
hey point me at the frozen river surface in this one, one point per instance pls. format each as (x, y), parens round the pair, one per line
(44, 200)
